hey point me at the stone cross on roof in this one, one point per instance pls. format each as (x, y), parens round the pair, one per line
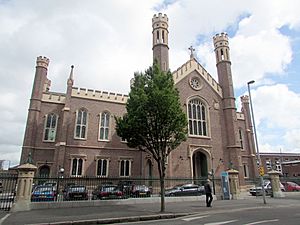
(192, 51)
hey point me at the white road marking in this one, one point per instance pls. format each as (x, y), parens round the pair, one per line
(221, 222)
(194, 218)
(263, 221)
(4, 218)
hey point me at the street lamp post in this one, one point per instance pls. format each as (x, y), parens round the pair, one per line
(256, 143)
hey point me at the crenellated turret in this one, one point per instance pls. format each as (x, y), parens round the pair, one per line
(221, 45)
(160, 35)
(41, 84)
(223, 63)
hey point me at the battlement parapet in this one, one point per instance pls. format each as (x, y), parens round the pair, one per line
(191, 65)
(245, 99)
(223, 38)
(99, 95)
(240, 116)
(160, 18)
(42, 61)
(54, 97)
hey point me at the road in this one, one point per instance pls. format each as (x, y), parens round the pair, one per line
(287, 215)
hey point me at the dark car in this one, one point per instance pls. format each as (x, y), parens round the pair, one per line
(43, 193)
(76, 192)
(291, 186)
(139, 190)
(125, 186)
(108, 191)
(185, 190)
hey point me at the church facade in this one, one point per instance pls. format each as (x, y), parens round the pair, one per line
(74, 132)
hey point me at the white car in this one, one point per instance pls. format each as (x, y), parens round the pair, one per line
(267, 186)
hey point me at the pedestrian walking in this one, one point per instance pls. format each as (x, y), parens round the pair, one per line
(208, 193)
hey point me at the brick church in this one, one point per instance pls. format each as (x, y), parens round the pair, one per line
(74, 132)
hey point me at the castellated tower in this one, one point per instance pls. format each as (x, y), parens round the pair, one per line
(223, 64)
(40, 84)
(160, 40)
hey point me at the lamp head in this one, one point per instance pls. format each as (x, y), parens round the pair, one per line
(251, 82)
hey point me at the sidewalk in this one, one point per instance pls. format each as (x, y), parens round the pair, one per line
(142, 209)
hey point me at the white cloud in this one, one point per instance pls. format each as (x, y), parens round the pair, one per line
(108, 41)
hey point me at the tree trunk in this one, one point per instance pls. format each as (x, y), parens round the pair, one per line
(162, 196)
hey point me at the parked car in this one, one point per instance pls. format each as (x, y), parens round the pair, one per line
(51, 184)
(43, 193)
(185, 190)
(291, 186)
(256, 191)
(76, 192)
(107, 191)
(140, 191)
(125, 186)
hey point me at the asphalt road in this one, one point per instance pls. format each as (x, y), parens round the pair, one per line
(281, 215)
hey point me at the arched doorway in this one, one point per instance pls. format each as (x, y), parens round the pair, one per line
(44, 171)
(200, 167)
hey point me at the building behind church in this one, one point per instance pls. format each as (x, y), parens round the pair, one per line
(76, 130)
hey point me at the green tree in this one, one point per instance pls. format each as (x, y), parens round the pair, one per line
(155, 122)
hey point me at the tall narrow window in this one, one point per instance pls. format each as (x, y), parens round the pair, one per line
(241, 138)
(81, 124)
(50, 127)
(222, 54)
(125, 168)
(197, 114)
(157, 36)
(246, 170)
(104, 126)
(77, 166)
(102, 167)
(163, 37)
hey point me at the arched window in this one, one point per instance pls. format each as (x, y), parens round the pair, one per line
(197, 115)
(241, 137)
(125, 168)
(81, 124)
(102, 167)
(104, 126)
(50, 127)
(77, 166)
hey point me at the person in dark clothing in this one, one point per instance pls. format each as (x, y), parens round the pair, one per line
(208, 193)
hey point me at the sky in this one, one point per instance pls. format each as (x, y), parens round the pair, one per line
(107, 41)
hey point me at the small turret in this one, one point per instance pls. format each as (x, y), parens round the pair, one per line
(71, 77)
(221, 47)
(160, 40)
(42, 61)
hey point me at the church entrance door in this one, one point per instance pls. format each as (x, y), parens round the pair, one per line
(200, 169)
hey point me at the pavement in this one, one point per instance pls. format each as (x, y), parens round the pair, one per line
(130, 210)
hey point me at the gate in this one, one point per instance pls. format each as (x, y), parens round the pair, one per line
(8, 183)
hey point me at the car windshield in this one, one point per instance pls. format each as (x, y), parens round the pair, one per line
(43, 189)
(109, 188)
(77, 189)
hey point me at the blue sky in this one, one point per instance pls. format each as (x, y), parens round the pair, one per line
(108, 41)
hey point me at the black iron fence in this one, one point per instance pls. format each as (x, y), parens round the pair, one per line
(93, 188)
(8, 183)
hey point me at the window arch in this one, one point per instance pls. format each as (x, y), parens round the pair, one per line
(77, 167)
(50, 127)
(81, 124)
(104, 126)
(197, 115)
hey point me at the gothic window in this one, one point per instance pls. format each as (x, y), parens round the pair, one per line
(102, 167)
(104, 126)
(125, 168)
(50, 127)
(77, 166)
(81, 124)
(246, 170)
(163, 37)
(198, 121)
(241, 137)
